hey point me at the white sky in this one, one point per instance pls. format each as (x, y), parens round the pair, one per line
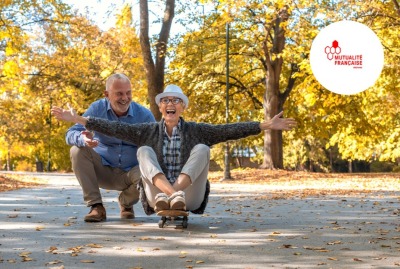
(98, 10)
(103, 13)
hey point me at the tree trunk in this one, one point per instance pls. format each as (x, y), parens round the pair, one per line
(9, 158)
(273, 99)
(271, 141)
(155, 70)
(397, 6)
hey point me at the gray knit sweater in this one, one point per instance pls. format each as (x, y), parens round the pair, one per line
(192, 133)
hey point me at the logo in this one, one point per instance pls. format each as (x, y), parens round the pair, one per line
(346, 57)
(334, 52)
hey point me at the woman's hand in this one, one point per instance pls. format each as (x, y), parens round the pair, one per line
(278, 123)
(68, 115)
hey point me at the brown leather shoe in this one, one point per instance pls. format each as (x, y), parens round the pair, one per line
(126, 212)
(97, 213)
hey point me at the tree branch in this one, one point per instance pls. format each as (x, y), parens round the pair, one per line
(144, 36)
(162, 43)
(397, 6)
(290, 86)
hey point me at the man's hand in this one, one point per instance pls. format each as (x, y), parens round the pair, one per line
(88, 139)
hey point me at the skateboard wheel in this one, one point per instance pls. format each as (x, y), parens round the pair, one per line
(185, 222)
(162, 221)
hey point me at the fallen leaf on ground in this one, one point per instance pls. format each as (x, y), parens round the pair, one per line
(334, 242)
(94, 245)
(27, 259)
(52, 249)
(58, 267)
(53, 262)
(25, 254)
(314, 248)
(87, 261)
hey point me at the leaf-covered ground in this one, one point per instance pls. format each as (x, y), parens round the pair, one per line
(9, 184)
(283, 184)
(290, 183)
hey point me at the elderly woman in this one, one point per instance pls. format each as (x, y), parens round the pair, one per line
(174, 155)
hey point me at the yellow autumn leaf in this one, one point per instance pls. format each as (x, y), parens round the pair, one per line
(87, 261)
(92, 245)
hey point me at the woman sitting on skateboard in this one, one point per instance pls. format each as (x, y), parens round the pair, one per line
(174, 155)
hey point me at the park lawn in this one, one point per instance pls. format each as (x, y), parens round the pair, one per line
(282, 183)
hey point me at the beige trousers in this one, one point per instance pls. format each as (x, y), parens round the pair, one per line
(93, 175)
(196, 168)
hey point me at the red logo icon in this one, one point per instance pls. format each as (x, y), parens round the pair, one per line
(335, 49)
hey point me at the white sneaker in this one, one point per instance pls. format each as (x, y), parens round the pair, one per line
(177, 201)
(162, 202)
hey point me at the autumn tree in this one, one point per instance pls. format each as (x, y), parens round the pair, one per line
(330, 125)
(67, 61)
(19, 21)
(155, 66)
(257, 56)
(352, 128)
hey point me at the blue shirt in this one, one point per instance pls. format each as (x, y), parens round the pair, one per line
(114, 152)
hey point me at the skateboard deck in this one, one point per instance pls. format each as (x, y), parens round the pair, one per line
(172, 216)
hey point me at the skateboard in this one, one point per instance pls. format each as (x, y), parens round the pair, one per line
(171, 216)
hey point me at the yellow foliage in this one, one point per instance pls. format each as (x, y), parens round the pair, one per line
(10, 69)
(68, 63)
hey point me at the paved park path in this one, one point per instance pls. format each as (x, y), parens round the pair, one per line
(43, 227)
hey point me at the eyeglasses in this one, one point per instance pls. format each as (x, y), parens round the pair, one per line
(175, 101)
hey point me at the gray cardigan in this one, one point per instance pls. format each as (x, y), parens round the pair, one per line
(192, 133)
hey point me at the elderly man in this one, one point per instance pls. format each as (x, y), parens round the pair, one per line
(174, 155)
(101, 161)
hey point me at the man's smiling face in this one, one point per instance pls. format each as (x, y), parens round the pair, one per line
(120, 96)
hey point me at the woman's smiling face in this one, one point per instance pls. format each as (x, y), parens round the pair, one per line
(171, 108)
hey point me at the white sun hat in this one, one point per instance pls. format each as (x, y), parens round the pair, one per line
(172, 91)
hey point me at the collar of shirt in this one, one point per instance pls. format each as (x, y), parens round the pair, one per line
(174, 130)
